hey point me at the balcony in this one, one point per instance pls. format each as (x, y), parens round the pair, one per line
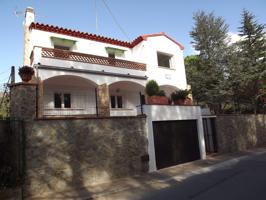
(88, 58)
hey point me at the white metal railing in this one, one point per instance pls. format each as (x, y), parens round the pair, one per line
(123, 112)
(68, 111)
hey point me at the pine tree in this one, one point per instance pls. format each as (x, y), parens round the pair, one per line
(209, 36)
(252, 48)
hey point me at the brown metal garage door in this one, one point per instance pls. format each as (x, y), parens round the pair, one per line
(175, 142)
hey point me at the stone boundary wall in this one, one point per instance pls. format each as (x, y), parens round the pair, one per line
(240, 132)
(11, 153)
(67, 154)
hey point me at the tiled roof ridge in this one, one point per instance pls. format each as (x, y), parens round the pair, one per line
(99, 38)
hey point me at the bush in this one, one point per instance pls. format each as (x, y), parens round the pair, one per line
(161, 93)
(152, 88)
(179, 94)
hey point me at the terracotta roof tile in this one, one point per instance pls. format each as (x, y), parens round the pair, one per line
(98, 38)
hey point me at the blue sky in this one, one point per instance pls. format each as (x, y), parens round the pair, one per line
(137, 17)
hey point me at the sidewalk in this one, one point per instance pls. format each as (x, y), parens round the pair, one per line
(133, 187)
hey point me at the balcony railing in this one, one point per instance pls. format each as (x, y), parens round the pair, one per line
(93, 59)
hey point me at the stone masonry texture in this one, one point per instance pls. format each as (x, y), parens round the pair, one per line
(64, 154)
(23, 101)
(240, 132)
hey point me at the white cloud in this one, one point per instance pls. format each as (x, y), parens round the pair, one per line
(193, 50)
(233, 38)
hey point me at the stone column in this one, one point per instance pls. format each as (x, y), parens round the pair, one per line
(103, 100)
(23, 101)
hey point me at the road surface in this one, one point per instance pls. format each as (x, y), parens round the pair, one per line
(243, 180)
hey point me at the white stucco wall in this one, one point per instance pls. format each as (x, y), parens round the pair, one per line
(144, 52)
(166, 113)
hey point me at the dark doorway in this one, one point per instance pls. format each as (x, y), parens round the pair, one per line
(209, 129)
(175, 142)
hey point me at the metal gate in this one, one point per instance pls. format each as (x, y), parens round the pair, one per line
(175, 142)
(210, 134)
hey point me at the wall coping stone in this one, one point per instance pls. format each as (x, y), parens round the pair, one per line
(23, 83)
(89, 117)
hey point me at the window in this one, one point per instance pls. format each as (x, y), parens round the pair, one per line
(114, 52)
(164, 60)
(111, 55)
(62, 43)
(58, 100)
(116, 101)
(119, 102)
(67, 100)
(61, 47)
(112, 101)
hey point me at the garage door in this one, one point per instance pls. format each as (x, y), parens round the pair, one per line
(175, 142)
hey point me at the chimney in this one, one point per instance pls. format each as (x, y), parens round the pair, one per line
(29, 18)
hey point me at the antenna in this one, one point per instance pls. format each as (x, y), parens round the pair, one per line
(20, 13)
(17, 13)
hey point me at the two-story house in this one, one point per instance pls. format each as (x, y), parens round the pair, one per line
(83, 73)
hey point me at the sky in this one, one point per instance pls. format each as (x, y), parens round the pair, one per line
(136, 17)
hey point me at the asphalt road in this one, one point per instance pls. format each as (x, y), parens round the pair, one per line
(244, 180)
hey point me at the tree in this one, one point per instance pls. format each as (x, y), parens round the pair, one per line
(252, 57)
(209, 36)
(194, 77)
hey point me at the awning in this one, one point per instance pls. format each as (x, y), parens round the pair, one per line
(117, 52)
(63, 41)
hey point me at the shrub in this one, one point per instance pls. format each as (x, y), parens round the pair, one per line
(152, 88)
(161, 93)
(179, 94)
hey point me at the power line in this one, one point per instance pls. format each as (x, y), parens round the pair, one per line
(8, 70)
(115, 20)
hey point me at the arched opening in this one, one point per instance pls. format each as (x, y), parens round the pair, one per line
(68, 95)
(125, 97)
(168, 89)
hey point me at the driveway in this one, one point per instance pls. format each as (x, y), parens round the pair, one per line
(244, 180)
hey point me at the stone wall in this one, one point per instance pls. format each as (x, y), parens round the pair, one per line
(240, 132)
(64, 154)
(11, 164)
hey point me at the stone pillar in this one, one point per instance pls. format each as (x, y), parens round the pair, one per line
(103, 100)
(23, 101)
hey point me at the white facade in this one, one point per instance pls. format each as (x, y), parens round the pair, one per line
(166, 113)
(71, 78)
(55, 66)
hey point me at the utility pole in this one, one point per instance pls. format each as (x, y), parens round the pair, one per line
(12, 74)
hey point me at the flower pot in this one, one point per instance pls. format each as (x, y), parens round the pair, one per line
(25, 77)
(179, 102)
(26, 73)
(188, 102)
(158, 100)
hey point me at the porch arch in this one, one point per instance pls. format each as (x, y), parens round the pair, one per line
(168, 89)
(69, 95)
(125, 97)
(68, 80)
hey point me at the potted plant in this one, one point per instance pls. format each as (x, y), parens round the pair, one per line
(179, 97)
(155, 95)
(26, 73)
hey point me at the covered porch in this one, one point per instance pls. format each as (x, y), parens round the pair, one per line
(71, 95)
